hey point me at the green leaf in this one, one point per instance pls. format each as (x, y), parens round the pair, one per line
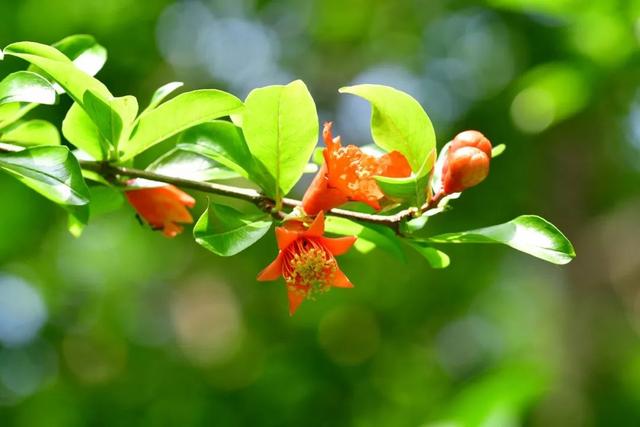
(497, 150)
(14, 111)
(528, 233)
(59, 67)
(436, 258)
(398, 122)
(369, 236)
(32, 132)
(104, 199)
(54, 173)
(226, 231)
(84, 51)
(180, 113)
(224, 143)
(280, 124)
(161, 93)
(414, 224)
(189, 165)
(411, 189)
(25, 86)
(112, 116)
(81, 131)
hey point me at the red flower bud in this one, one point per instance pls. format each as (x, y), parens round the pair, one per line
(467, 162)
(162, 207)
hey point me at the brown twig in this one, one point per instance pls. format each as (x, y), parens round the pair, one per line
(260, 200)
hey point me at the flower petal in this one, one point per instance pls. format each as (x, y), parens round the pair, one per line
(272, 271)
(316, 229)
(285, 237)
(171, 229)
(340, 245)
(295, 299)
(341, 280)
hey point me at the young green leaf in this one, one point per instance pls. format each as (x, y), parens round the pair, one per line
(54, 173)
(161, 93)
(84, 51)
(180, 113)
(497, 150)
(369, 236)
(81, 131)
(14, 111)
(411, 189)
(398, 122)
(113, 117)
(528, 233)
(25, 86)
(226, 231)
(224, 143)
(436, 258)
(280, 124)
(189, 165)
(31, 132)
(59, 67)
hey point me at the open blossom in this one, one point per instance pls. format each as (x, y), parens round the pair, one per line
(163, 208)
(306, 261)
(467, 162)
(347, 174)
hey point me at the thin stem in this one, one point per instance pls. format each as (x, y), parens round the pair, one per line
(260, 200)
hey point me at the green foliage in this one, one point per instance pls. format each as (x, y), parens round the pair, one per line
(226, 231)
(398, 122)
(25, 86)
(370, 236)
(181, 163)
(280, 124)
(161, 93)
(435, 257)
(180, 113)
(224, 143)
(54, 173)
(528, 233)
(31, 132)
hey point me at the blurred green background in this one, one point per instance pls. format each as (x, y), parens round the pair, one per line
(122, 327)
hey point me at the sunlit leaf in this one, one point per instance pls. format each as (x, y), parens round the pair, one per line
(161, 93)
(369, 236)
(54, 173)
(25, 86)
(220, 141)
(177, 114)
(81, 131)
(528, 233)
(60, 68)
(398, 122)
(226, 231)
(84, 51)
(435, 257)
(189, 165)
(32, 132)
(280, 124)
(497, 150)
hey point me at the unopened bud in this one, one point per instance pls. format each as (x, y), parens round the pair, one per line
(467, 162)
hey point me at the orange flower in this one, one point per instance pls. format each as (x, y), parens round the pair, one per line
(306, 261)
(162, 207)
(348, 174)
(467, 162)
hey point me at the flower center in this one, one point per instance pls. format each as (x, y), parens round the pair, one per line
(308, 267)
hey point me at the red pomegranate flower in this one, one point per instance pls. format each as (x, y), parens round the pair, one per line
(467, 162)
(348, 174)
(163, 208)
(307, 261)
